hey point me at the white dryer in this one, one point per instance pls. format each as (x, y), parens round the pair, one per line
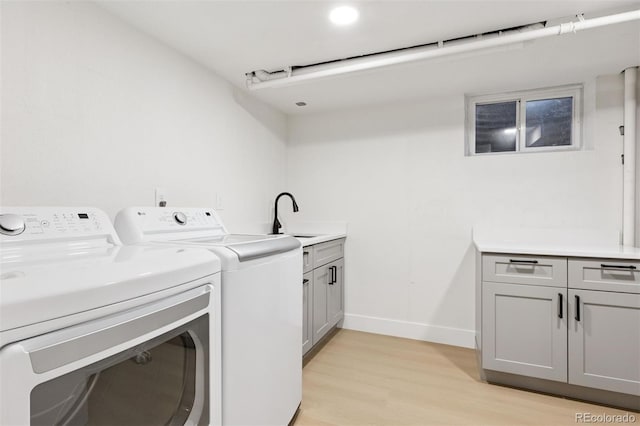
(261, 308)
(92, 332)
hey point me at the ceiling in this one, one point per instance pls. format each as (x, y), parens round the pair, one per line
(235, 37)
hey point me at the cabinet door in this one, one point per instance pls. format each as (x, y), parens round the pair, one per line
(604, 340)
(307, 312)
(336, 292)
(524, 330)
(321, 278)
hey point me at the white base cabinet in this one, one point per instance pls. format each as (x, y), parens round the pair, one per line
(324, 300)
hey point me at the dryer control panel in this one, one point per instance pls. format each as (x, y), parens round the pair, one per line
(47, 224)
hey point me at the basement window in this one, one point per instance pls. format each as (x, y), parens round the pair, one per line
(528, 121)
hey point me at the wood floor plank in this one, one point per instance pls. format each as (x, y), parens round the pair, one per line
(368, 379)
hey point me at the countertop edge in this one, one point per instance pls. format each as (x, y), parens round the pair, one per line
(320, 239)
(619, 252)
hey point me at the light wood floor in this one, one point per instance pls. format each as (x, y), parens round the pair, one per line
(368, 379)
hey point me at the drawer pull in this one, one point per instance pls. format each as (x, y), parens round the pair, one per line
(630, 267)
(577, 317)
(528, 262)
(560, 305)
(305, 281)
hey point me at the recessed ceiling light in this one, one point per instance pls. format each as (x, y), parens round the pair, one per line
(343, 15)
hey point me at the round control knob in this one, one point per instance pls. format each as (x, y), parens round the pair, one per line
(180, 217)
(11, 224)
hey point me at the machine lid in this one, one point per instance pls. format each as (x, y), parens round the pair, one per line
(263, 248)
(37, 291)
(227, 239)
(249, 247)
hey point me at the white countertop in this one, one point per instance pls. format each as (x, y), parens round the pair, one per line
(316, 239)
(576, 242)
(557, 249)
(319, 231)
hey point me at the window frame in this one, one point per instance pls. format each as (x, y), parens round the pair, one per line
(575, 91)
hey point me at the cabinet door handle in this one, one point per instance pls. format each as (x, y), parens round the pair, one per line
(305, 281)
(560, 305)
(331, 281)
(604, 266)
(529, 262)
(577, 308)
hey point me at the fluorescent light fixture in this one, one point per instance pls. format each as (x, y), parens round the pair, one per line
(261, 79)
(343, 15)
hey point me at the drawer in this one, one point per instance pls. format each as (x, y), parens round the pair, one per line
(327, 252)
(605, 274)
(307, 259)
(522, 269)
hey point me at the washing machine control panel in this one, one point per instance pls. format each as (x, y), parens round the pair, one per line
(137, 224)
(184, 218)
(11, 224)
(44, 223)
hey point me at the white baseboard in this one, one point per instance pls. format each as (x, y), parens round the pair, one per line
(410, 330)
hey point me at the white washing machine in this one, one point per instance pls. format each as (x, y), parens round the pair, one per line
(261, 308)
(92, 332)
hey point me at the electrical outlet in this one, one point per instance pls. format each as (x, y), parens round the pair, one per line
(219, 204)
(161, 197)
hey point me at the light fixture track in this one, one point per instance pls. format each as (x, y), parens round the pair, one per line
(260, 79)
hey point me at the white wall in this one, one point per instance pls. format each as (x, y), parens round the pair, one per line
(96, 113)
(398, 175)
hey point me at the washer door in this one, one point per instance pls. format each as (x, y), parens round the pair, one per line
(152, 383)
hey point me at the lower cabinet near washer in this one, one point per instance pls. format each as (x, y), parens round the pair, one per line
(307, 312)
(573, 323)
(323, 292)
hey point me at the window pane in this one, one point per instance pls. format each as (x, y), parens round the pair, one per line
(496, 127)
(549, 122)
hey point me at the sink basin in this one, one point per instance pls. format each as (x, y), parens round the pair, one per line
(306, 236)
